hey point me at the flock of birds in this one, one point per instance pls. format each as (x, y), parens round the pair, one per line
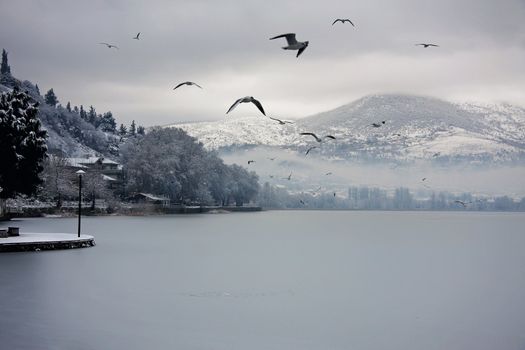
(300, 47)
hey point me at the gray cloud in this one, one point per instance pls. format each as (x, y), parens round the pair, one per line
(224, 46)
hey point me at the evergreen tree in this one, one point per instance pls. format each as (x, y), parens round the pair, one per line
(122, 130)
(133, 129)
(51, 98)
(68, 106)
(141, 130)
(107, 122)
(37, 89)
(23, 144)
(82, 113)
(4, 67)
(75, 110)
(92, 115)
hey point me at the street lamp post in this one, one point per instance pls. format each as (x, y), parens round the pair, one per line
(79, 173)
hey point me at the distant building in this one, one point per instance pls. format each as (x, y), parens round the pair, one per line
(110, 170)
(148, 198)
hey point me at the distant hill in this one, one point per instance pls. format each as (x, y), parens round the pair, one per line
(415, 128)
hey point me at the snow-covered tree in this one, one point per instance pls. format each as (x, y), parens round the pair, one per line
(58, 180)
(68, 106)
(107, 123)
(133, 128)
(51, 98)
(22, 144)
(141, 130)
(122, 130)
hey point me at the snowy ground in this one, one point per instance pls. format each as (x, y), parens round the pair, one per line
(43, 237)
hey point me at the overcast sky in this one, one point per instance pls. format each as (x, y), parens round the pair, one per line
(224, 47)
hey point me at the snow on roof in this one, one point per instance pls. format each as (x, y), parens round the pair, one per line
(108, 178)
(153, 197)
(81, 162)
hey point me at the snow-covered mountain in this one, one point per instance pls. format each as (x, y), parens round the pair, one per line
(415, 128)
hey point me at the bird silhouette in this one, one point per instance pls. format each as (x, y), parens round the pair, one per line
(282, 122)
(109, 46)
(293, 44)
(309, 149)
(378, 125)
(329, 173)
(343, 20)
(464, 204)
(425, 45)
(316, 137)
(136, 37)
(247, 99)
(251, 161)
(289, 177)
(189, 83)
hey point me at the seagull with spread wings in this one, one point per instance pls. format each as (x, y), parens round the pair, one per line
(136, 37)
(309, 149)
(378, 125)
(316, 137)
(343, 20)
(189, 83)
(426, 46)
(282, 122)
(109, 46)
(293, 44)
(247, 99)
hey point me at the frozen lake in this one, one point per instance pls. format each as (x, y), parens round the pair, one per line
(272, 280)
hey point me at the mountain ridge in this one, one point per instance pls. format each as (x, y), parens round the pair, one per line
(416, 127)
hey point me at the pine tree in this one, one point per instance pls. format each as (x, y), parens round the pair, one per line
(107, 122)
(82, 113)
(122, 130)
(75, 110)
(133, 129)
(51, 98)
(68, 106)
(4, 67)
(92, 115)
(37, 89)
(23, 144)
(141, 130)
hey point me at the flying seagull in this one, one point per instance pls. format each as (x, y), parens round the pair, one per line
(187, 83)
(246, 100)
(464, 204)
(251, 161)
(293, 44)
(343, 20)
(378, 125)
(110, 46)
(316, 137)
(289, 177)
(329, 173)
(282, 122)
(423, 179)
(137, 36)
(271, 158)
(309, 149)
(425, 45)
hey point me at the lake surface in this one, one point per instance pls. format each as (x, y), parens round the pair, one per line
(272, 280)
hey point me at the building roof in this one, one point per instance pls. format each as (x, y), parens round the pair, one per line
(83, 162)
(153, 197)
